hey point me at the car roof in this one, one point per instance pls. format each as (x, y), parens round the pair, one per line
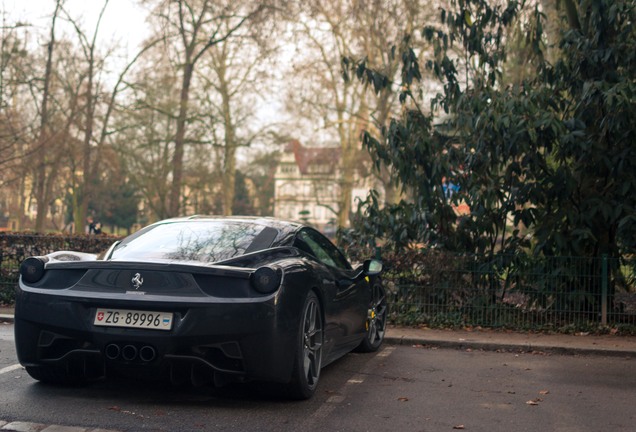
(286, 228)
(259, 220)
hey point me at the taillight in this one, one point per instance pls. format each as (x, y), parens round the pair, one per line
(266, 280)
(32, 269)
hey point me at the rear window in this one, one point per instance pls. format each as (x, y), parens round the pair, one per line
(203, 241)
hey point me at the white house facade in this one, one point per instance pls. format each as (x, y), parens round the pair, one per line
(307, 185)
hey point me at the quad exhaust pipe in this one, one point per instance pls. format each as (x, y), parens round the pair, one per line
(130, 352)
(147, 353)
(112, 351)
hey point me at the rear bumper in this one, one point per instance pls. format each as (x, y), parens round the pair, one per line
(248, 339)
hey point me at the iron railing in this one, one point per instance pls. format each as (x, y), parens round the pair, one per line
(520, 292)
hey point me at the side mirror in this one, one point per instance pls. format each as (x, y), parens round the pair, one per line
(372, 267)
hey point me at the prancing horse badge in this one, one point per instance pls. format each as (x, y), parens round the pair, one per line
(137, 281)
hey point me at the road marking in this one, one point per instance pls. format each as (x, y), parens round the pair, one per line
(386, 351)
(10, 368)
(29, 426)
(327, 408)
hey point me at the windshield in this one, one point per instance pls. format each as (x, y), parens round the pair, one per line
(204, 241)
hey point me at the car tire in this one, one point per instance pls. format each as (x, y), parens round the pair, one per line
(308, 358)
(52, 375)
(376, 320)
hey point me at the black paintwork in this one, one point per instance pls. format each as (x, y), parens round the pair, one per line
(222, 325)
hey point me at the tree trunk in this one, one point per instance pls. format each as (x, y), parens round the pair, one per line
(86, 192)
(572, 14)
(43, 136)
(229, 159)
(179, 142)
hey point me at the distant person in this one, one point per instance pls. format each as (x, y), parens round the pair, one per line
(90, 225)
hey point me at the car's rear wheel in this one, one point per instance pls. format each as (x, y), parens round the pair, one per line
(308, 361)
(376, 320)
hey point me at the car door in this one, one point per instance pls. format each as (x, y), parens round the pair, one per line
(345, 307)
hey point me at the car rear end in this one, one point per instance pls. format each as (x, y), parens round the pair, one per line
(85, 320)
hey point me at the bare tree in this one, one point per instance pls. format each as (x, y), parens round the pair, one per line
(146, 130)
(234, 72)
(331, 30)
(196, 26)
(40, 180)
(13, 58)
(90, 91)
(98, 108)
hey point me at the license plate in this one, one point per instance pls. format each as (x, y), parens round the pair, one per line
(133, 319)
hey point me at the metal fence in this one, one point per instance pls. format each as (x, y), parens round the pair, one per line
(441, 289)
(519, 292)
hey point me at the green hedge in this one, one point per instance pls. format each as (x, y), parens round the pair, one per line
(16, 247)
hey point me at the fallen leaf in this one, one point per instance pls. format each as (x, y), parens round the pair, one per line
(459, 427)
(544, 392)
(114, 408)
(532, 402)
(403, 399)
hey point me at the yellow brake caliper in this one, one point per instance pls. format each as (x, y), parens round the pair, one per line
(371, 312)
(370, 317)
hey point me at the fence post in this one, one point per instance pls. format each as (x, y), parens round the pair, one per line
(604, 280)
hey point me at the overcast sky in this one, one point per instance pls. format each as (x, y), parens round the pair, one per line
(123, 21)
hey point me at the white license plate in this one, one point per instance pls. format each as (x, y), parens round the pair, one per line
(133, 319)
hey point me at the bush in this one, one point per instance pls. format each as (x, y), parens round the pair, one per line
(16, 247)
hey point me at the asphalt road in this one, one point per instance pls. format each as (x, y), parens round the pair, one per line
(400, 388)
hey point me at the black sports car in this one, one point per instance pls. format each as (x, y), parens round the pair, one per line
(199, 299)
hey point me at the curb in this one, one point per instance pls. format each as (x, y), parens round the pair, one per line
(509, 347)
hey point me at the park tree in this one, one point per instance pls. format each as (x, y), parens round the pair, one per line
(233, 77)
(43, 134)
(336, 111)
(261, 172)
(192, 28)
(90, 93)
(146, 128)
(40, 105)
(544, 164)
(14, 59)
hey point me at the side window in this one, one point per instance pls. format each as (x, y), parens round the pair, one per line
(305, 242)
(339, 260)
(322, 249)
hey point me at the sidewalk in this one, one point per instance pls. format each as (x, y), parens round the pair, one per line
(6, 314)
(495, 340)
(502, 340)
